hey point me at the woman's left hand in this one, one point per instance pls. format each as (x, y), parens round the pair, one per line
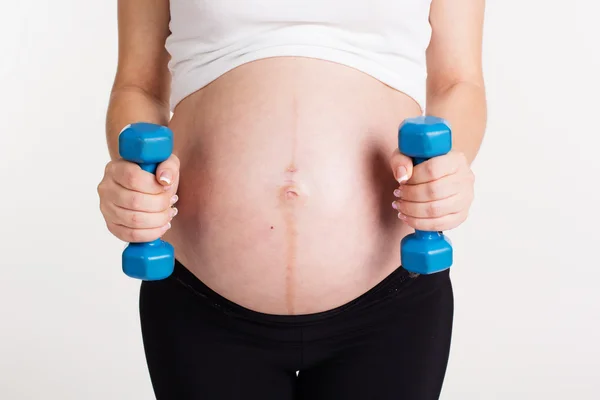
(435, 195)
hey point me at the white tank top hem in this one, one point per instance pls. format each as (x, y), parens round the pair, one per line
(204, 47)
(405, 80)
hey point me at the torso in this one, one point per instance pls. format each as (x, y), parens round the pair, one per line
(286, 189)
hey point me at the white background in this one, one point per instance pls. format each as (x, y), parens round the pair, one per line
(527, 270)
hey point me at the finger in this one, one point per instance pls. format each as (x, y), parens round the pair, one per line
(402, 166)
(140, 220)
(431, 209)
(136, 201)
(440, 189)
(444, 223)
(438, 167)
(130, 176)
(136, 235)
(167, 172)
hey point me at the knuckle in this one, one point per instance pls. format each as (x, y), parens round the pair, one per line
(135, 201)
(103, 190)
(135, 219)
(432, 190)
(130, 178)
(433, 209)
(430, 168)
(136, 236)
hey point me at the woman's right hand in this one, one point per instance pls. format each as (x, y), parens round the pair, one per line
(138, 205)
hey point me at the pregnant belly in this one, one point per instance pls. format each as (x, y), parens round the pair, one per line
(286, 190)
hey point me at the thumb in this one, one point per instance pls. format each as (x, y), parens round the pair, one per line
(402, 166)
(167, 172)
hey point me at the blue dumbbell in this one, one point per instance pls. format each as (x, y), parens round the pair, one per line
(422, 138)
(147, 145)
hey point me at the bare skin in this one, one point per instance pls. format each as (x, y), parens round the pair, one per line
(307, 157)
(285, 168)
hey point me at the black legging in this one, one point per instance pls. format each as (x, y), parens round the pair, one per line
(390, 343)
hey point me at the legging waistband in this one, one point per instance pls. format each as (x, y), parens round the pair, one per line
(389, 286)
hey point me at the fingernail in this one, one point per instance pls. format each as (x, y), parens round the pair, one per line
(174, 212)
(402, 174)
(167, 226)
(174, 199)
(166, 177)
(397, 193)
(394, 205)
(402, 216)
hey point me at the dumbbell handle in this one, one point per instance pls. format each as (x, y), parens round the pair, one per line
(149, 167)
(423, 234)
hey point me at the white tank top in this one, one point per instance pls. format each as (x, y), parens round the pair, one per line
(386, 39)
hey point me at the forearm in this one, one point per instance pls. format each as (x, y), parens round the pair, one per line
(129, 105)
(464, 106)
